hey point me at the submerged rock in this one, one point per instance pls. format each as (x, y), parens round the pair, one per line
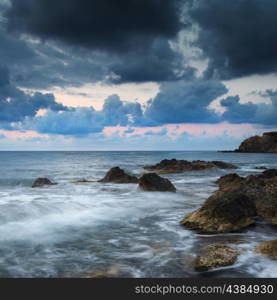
(82, 181)
(109, 273)
(214, 256)
(154, 182)
(228, 213)
(268, 248)
(235, 204)
(41, 182)
(117, 175)
(261, 168)
(172, 166)
(265, 143)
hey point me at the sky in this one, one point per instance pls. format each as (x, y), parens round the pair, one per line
(136, 74)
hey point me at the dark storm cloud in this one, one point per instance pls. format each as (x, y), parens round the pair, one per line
(158, 63)
(186, 102)
(42, 65)
(132, 37)
(15, 105)
(255, 113)
(106, 24)
(238, 36)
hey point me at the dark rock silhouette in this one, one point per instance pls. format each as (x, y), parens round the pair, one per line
(41, 182)
(172, 166)
(265, 143)
(117, 175)
(153, 182)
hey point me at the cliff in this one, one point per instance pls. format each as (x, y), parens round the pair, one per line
(266, 143)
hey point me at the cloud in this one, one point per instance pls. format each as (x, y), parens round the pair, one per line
(85, 120)
(253, 113)
(104, 24)
(238, 36)
(15, 105)
(185, 102)
(108, 40)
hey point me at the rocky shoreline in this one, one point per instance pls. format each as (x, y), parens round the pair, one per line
(235, 206)
(267, 143)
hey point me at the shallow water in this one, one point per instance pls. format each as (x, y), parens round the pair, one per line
(74, 229)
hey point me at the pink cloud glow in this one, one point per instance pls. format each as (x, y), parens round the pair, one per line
(15, 134)
(174, 130)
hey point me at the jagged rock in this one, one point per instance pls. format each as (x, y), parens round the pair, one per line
(228, 213)
(214, 256)
(172, 166)
(265, 143)
(268, 248)
(117, 175)
(41, 182)
(235, 204)
(153, 182)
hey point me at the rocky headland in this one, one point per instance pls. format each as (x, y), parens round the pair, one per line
(267, 143)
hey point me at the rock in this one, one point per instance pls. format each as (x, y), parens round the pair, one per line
(230, 182)
(41, 182)
(117, 175)
(179, 166)
(109, 273)
(268, 248)
(82, 181)
(214, 256)
(262, 189)
(153, 182)
(228, 213)
(235, 204)
(261, 168)
(265, 143)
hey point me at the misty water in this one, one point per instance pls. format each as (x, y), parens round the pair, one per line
(70, 230)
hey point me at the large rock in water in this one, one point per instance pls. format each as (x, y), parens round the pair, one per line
(265, 143)
(268, 248)
(235, 204)
(153, 182)
(214, 256)
(117, 175)
(41, 182)
(172, 166)
(222, 214)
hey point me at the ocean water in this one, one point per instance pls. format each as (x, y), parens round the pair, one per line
(73, 230)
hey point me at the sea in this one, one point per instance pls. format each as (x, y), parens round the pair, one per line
(83, 229)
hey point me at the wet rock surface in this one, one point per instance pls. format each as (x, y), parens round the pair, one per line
(154, 182)
(173, 166)
(117, 175)
(268, 248)
(215, 256)
(228, 213)
(39, 182)
(235, 204)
